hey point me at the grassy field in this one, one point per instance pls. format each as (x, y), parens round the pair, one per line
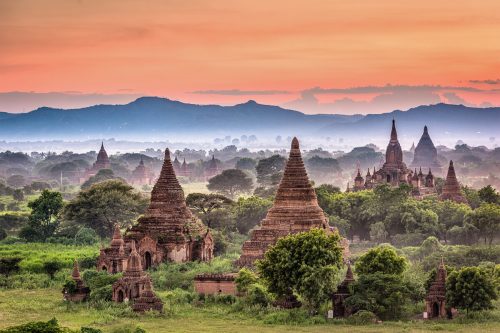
(19, 306)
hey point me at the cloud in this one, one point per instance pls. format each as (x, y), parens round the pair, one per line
(453, 98)
(21, 101)
(237, 92)
(391, 89)
(497, 81)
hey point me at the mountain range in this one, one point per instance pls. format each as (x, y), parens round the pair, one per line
(154, 118)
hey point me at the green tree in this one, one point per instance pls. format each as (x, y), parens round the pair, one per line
(101, 176)
(51, 268)
(246, 163)
(306, 263)
(471, 289)
(486, 219)
(382, 259)
(43, 220)
(378, 233)
(248, 212)
(103, 205)
(269, 170)
(205, 204)
(489, 195)
(230, 182)
(245, 279)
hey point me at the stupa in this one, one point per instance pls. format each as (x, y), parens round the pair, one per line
(451, 188)
(295, 209)
(426, 153)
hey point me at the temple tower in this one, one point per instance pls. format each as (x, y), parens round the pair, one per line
(80, 292)
(394, 170)
(295, 209)
(435, 301)
(426, 153)
(114, 258)
(343, 292)
(451, 188)
(141, 175)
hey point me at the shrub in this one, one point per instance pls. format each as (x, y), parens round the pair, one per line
(362, 317)
(9, 265)
(88, 262)
(86, 236)
(244, 279)
(90, 330)
(51, 267)
(95, 280)
(257, 295)
(101, 294)
(51, 326)
(11, 240)
(69, 286)
(3, 234)
(413, 239)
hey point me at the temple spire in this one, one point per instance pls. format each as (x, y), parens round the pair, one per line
(76, 272)
(394, 133)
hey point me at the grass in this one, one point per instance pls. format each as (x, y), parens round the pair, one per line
(20, 306)
(200, 187)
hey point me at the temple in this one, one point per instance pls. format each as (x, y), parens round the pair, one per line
(435, 301)
(295, 209)
(451, 188)
(102, 162)
(395, 172)
(343, 292)
(80, 292)
(425, 154)
(141, 175)
(168, 231)
(212, 169)
(147, 301)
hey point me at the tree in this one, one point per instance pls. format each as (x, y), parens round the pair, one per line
(322, 168)
(51, 268)
(246, 163)
(16, 181)
(486, 219)
(378, 233)
(471, 289)
(101, 176)
(18, 195)
(43, 219)
(245, 279)
(248, 212)
(383, 294)
(269, 170)
(204, 204)
(489, 195)
(231, 182)
(103, 205)
(3, 234)
(382, 259)
(306, 263)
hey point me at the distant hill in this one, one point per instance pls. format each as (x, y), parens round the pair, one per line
(153, 118)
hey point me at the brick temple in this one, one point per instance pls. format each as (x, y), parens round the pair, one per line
(395, 172)
(295, 210)
(425, 154)
(435, 301)
(168, 231)
(451, 189)
(141, 175)
(102, 162)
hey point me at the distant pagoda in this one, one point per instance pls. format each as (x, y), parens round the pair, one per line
(295, 209)
(141, 175)
(451, 188)
(102, 162)
(425, 155)
(435, 301)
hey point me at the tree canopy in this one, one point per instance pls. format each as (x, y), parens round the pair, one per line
(231, 182)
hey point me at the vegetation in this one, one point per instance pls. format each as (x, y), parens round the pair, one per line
(231, 183)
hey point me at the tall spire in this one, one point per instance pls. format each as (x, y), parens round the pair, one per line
(117, 240)
(394, 133)
(451, 188)
(134, 266)
(76, 272)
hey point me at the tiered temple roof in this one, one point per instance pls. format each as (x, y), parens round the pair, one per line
(80, 292)
(295, 209)
(436, 296)
(451, 188)
(102, 161)
(426, 153)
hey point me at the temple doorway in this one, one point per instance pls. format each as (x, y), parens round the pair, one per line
(104, 269)
(120, 296)
(435, 310)
(148, 260)
(388, 178)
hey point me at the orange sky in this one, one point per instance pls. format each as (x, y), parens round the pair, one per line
(274, 49)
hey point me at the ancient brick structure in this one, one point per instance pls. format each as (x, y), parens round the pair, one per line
(147, 300)
(425, 155)
(102, 162)
(81, 292)
(343, 292)
(184, 171)
(395, 172)
(141, 175)
(168, 231)
(114, 258)
(435, 301)
(176, 165)
(214, 284)
(212, 169)
(451, 188)
(295, 209)
(131, 285)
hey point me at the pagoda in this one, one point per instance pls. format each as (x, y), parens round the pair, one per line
(343, 292)
(168, 231)
(80, 292)
(451, 188)
(147, 300)
(141, 175)
(426, 153)
(295, 209)
(212, 169)
(435, 301)
(114, 258)
(102, 162)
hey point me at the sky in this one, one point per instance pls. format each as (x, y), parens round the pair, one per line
(356, 56)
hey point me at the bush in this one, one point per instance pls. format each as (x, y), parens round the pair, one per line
(95, 280)
(128, 329)
(3, 234)
(102, 294)
(413, 239)
(51, 267)
(86, 236)
(51, 326)
(362, 317)
(257, 295)
(90, 330)
(9, 265)
(11, 240)
(244, 279)
(88, 262)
